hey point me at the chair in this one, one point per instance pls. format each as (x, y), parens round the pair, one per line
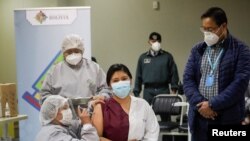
(163, 104)
(184, 127)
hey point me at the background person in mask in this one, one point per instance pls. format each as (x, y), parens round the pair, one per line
(124, 117)
(57, 124)
(156, 69)
(216, 76)
(75, 76)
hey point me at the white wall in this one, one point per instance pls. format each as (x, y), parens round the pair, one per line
(120, 28)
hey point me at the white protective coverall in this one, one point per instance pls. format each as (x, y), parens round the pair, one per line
(84, 80)
(75, 132)
(52, 131)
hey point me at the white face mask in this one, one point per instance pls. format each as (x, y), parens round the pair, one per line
(67, 117)
(74, 58)
(210, 38)
(156, 46)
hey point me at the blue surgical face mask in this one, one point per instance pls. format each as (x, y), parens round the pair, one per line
(121, 89)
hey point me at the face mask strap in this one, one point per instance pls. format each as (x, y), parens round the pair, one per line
(221, 33)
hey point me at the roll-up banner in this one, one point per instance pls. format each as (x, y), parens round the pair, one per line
(39, 33)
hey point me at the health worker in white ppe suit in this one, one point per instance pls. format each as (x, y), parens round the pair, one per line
(76, 76)
(57, 124)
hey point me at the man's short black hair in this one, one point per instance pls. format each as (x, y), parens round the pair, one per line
(155, 36)
(217, 14)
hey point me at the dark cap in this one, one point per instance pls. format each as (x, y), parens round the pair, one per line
(155, 36)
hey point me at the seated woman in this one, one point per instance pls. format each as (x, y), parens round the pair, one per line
(57, 123)
(124, 117)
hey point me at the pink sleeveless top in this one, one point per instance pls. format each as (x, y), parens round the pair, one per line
(115, 121)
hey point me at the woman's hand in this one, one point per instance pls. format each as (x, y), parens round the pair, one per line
(97, 99)
(84, 115)
(101, 97)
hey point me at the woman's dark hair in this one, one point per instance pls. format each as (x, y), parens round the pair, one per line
(217, 14)
(114, 68)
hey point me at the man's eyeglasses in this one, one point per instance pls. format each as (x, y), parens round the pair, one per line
(210, 29)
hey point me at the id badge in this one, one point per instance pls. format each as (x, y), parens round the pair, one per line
(209, 80)
(147, 60)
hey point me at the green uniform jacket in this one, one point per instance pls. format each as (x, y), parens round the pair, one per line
(160, 69)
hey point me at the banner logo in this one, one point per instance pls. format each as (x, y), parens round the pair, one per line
(41, 17)
(51, 17)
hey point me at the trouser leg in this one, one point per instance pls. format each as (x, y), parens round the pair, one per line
(148, 95)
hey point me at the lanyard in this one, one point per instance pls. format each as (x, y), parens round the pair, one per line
(213, 65)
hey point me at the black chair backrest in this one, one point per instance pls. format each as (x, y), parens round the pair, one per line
(163, 104)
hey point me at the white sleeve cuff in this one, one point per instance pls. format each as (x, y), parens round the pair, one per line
(87, 126)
